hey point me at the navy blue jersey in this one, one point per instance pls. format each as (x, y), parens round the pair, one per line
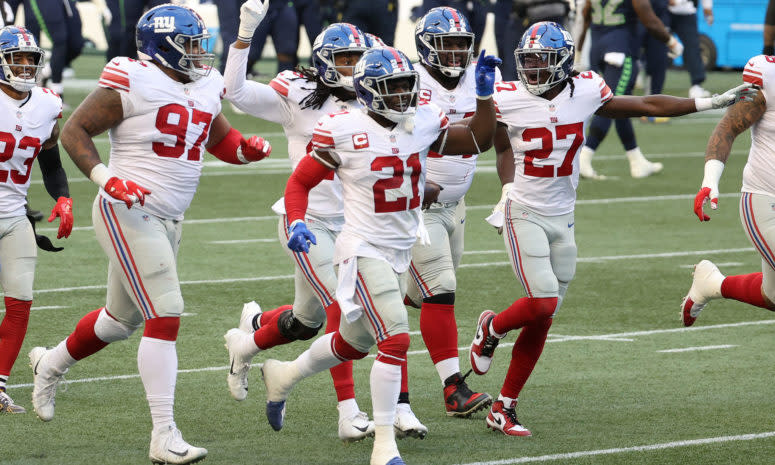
(612, 14)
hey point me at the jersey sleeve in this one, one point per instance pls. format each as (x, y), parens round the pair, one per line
(757, 68)
(605, 92)
(121, 74)
(323, 134)
(292, 86)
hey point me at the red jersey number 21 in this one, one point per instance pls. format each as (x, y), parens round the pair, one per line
(381, 204)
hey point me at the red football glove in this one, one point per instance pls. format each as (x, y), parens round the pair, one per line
(126, 191)
(703, 196)
(64, 210)
(254, 149)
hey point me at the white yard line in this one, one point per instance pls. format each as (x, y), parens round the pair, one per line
(606, 337)
(624, 450)
(469, 265)
(243, 241)
(42, 307)
(693, 349)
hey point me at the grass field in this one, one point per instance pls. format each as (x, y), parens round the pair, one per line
(613, 385)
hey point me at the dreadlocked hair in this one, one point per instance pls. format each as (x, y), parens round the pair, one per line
(319, 94)
(570, 77)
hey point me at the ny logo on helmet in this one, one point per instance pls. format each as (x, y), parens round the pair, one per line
(163, 24)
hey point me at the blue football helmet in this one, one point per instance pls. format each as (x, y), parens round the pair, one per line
(377, 74)
(432, 35)
(375, 41)
(176, 37)
(545, 53)
(337, 38)
(15, 40)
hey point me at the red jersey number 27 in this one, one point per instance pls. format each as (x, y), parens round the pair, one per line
(562, 131)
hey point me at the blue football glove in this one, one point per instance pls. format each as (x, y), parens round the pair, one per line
(300, 237)
(485, 74)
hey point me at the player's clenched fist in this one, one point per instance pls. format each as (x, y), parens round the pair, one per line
(254, 149)
(126, 191)
(64, 210)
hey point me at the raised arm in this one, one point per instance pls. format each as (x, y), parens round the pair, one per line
(474, 135)
(735, 121)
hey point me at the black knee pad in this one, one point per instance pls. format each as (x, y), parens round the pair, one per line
(293, 329)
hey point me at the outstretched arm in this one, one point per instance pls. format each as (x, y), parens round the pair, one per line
(735, 121)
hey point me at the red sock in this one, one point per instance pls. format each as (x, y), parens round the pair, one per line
(83, 341)
(745, 288)
(439, 330)
(342, 374)
(524, 356)
(12, 331)
(267, 316)
(524, 311)
(164, 328)
(268, 335)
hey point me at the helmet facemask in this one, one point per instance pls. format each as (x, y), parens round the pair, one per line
(195, 62)
(22, 77)
(540, 69)
(333, 77)
(449, 60)
(390, 99)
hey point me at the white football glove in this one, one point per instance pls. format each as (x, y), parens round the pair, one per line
(251, 13)
(742, 92)
(674, 48)
(498, 216)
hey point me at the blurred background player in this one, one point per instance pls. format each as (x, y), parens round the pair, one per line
(614, 44)
(378, 153)
(536, 145)
(379, 17)
(159, 112)
(445, 44)
(123, 16)
(29, 127)
(297, 100)
(683, 22)
(60, 21)
(756, 203)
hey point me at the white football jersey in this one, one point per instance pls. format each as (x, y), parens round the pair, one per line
(382, 173)
(759, 171)
(23, 131)
(325, 199)
(545, 137)
(166, 125)
(456, 172)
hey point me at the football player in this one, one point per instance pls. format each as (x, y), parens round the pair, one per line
(445, 44)
(379, 154)
(297, 100)
(756, 212)
(29, 128)
(541, 124)
(160, 113)
(614, 54)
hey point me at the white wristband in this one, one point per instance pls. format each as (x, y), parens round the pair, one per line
(100, 175)
(713, 170)
(702, 104)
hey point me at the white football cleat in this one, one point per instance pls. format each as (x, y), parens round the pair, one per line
(7, 405)
(251, 312)
(386, 455)
(279, 379)
(168, 446)
(643, 168)
(239, 362)
(355, 428)
(706, 285)
(697, 91)
(406, 423)
(585, 165)
(44, 388)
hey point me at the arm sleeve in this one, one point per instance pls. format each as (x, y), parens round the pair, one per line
(252, 97)
(54, 177)
(308, 174)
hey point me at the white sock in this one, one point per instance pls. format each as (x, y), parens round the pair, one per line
(347, 408)
(586, 154)
(508, 402)
(319, 357)
(385, 446)
(247, 345)
(157, 361)
(635, 155)
(58, 359)
(447, 368)
(385, 383)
